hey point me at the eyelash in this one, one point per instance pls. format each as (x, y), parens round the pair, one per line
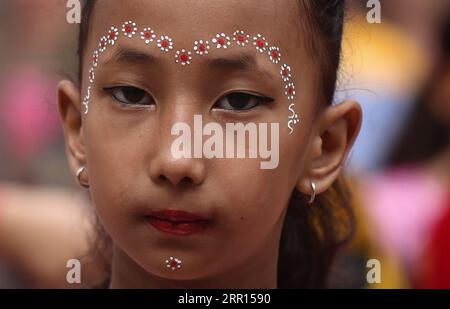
(115, 94)
(258, 100)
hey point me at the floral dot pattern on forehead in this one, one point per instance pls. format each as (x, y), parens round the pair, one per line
(201, 47)
(148, 35)
(113, 35)
(241, 38)
(222, 41)
(165, 43)
(183, 57)
(129, 29)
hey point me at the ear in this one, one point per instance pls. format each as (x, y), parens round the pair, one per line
(337, 129)
(70, 114)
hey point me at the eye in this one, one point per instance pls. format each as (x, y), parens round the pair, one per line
(241, 101)
(130, 95)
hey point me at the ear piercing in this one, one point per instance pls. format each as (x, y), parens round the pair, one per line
(78, 176)
(313, 195)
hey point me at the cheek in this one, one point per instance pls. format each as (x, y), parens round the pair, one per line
(253, 199)
(116, 163)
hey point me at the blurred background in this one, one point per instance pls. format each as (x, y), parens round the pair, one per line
(399, 70)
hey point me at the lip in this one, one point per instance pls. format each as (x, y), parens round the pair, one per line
(177, 222)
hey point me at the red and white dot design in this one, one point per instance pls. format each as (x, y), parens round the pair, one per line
(183, 57)
(290, 91)
(89, 89)
(103, 44)
(165, 43)
(86, 105)
(274, 54)
(201, 47)
(241, 38)
(91, 75)
(285, 73)
(173, 263)
(113, 35)
(148, 35)
(129, 29)
(222, 41)
(86, 99)
(260, 43)
(95, 59)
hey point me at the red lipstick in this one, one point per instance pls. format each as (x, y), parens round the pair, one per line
(178, 222)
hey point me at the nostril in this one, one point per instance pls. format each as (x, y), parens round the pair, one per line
(186, 173)
(185, 181)
(162, 178)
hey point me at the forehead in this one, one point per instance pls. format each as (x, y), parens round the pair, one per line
(190, 20)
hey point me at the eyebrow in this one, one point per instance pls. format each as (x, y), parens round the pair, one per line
(241, 62)
(127, 55)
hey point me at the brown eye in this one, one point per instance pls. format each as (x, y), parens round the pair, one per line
(131, 95)
(241, 101)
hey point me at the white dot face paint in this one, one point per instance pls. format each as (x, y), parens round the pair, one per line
(113, 35)
(201, 47)
(241, 38)
(183, 57)
(274, 54)
(95, 59)
(260, 43)
(91, 75)
(165, 43)
(129, 29)
(148, 35)
(102, 45)
(285, 73)
(173, 263)
(222, 41)
(290, 91)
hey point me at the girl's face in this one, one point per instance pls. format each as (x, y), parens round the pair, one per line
(125, 139)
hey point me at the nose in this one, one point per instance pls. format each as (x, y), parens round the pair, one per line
(167, 165)
(177, 172)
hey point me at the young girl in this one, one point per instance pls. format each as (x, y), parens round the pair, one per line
(178, 220)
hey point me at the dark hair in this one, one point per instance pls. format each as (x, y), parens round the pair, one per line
(311, 234)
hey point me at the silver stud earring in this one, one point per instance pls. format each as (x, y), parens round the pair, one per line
(313, 194)
(79, 172)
